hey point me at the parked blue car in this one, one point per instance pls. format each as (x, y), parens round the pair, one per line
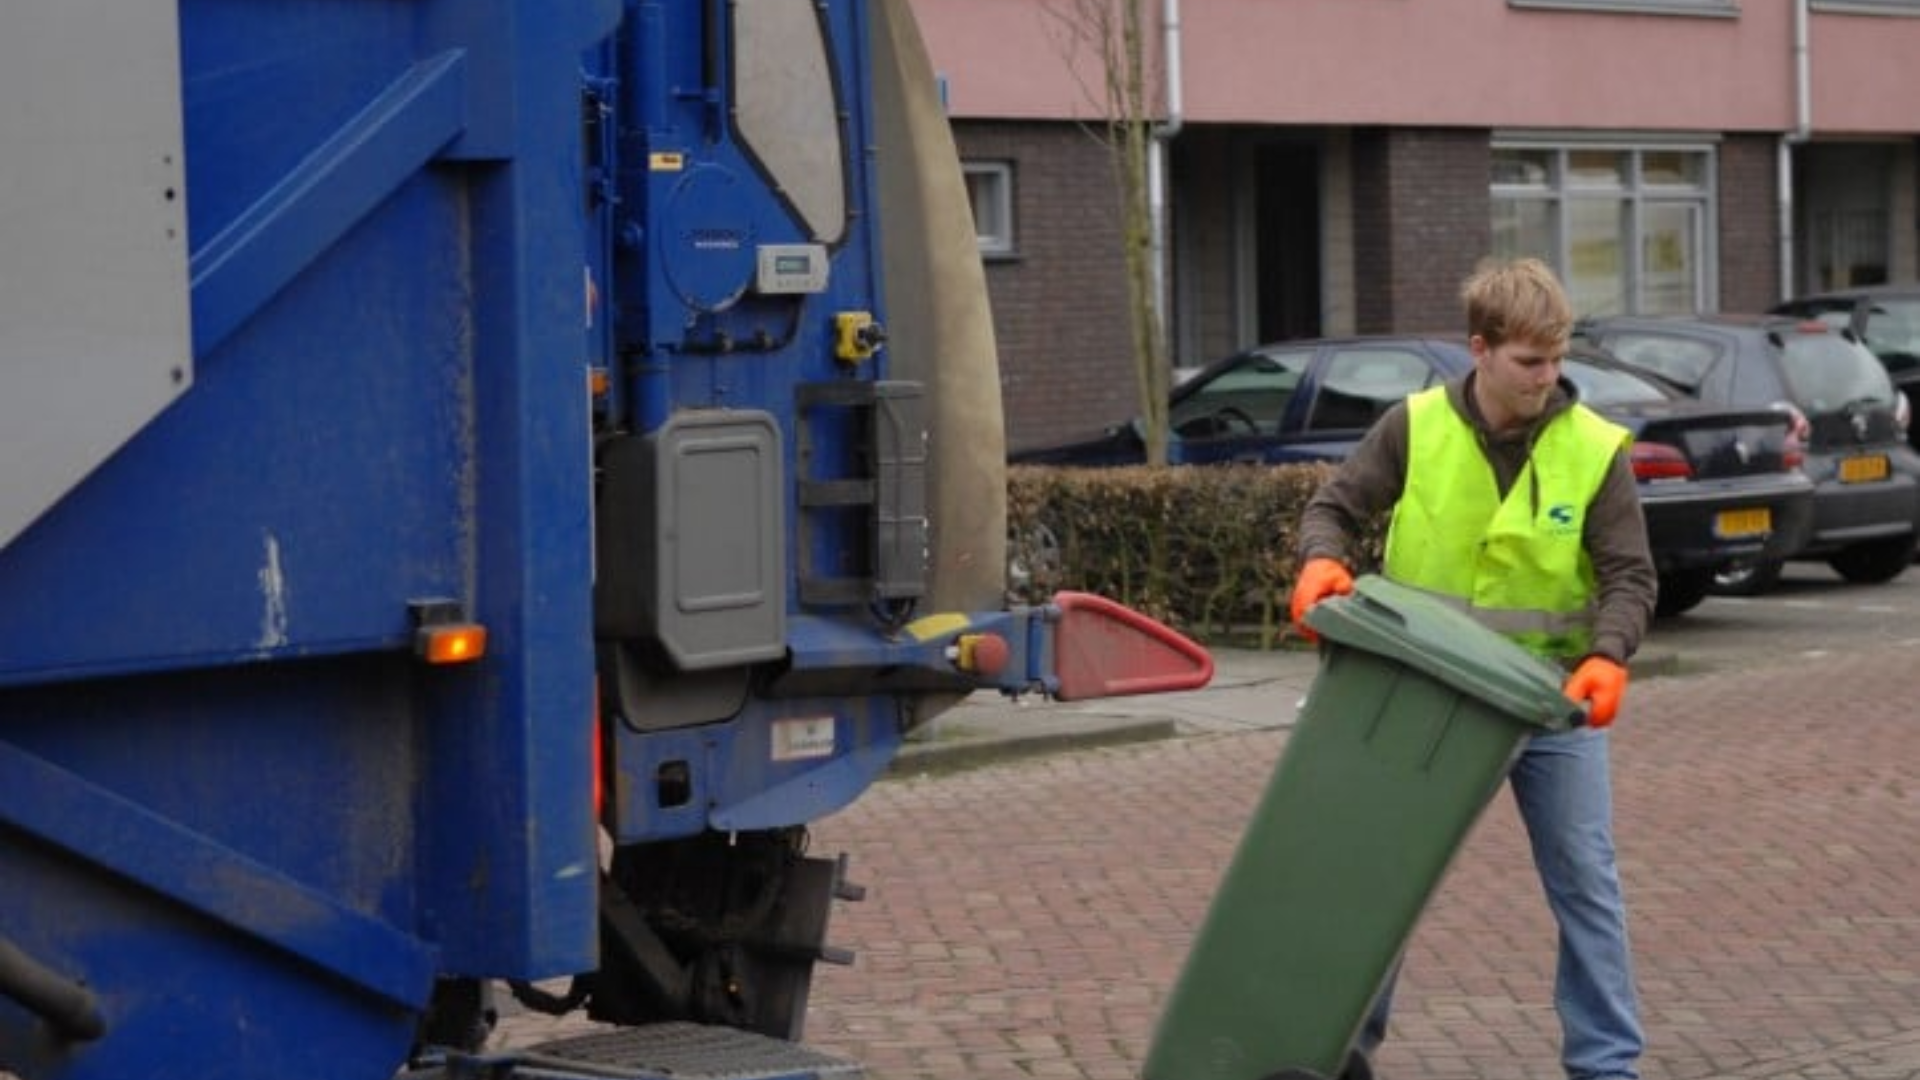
(1297, 401)
(1719, 486)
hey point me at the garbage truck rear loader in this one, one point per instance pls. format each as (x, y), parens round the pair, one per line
(482, 476)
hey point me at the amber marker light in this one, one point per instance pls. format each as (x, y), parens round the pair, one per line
(451, 643)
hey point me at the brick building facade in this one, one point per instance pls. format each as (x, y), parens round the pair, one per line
(1060, 297)
(1664, 155)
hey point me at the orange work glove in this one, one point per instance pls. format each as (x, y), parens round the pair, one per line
(1600, 681)
(1319, 579)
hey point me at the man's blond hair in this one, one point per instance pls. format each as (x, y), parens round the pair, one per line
(1517, 300)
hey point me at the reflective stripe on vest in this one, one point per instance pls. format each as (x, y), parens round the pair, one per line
(1517, 565)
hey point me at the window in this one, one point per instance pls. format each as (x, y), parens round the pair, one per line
(1682, 361)
(1361, 383)
(1828, 373)
(1246, 397)
(809, 169)
(990, 194)
(1600, 385)
(1627, 227)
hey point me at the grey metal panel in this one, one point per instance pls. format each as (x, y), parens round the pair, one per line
(722, 585)
(691, 540)
(94, 333)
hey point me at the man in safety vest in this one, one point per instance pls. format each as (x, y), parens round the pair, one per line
(1511, 498)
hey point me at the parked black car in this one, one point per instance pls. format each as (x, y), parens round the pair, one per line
(1886, 319)
(1719, 486)
(1866, 475)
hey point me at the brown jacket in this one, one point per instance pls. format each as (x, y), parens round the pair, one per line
(1372, 479)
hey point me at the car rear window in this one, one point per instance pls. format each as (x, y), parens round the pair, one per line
(1609, 386)
(1682, 361)
(1826, 372)
(1835, 313)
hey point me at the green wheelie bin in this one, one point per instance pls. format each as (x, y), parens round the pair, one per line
(1407, 732)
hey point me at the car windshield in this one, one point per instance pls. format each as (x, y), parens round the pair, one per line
(1249, 394)
(1827, 372)
(1609, 386)
(1360, 383)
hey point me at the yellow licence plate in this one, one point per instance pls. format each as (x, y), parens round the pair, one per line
(1736, 524)
(1860, 470)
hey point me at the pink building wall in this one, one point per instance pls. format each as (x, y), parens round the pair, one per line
(1865, 74)
(1475, 63)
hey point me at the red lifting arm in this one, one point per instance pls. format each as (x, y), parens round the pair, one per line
(1103, 649)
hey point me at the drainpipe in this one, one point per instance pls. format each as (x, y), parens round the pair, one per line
(1802, 129)
(1163, 134)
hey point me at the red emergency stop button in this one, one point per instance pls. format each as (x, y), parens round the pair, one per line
(982, 654)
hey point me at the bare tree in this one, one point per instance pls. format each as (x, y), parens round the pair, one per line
(1112, 35)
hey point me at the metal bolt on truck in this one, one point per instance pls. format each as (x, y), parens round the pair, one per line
(482, 476)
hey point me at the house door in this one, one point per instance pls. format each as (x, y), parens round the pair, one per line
(1287, 241)
(1845, 216)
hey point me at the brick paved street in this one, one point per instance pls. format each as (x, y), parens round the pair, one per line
(1026, 919)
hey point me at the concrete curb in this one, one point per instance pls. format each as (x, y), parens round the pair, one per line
(961, 745)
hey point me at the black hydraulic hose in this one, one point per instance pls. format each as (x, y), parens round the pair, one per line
(68, 1007)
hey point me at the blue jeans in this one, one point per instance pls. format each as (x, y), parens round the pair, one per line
(1562, 785)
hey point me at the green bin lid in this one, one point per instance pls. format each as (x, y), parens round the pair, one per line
(1424, 632)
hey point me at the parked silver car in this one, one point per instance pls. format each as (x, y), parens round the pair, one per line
(1886, 319)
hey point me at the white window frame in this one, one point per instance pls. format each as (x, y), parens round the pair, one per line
(1868, 7)
(990, 196)
(1635, 195)
(1718, 9)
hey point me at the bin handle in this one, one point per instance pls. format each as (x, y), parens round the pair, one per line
(67, 1006)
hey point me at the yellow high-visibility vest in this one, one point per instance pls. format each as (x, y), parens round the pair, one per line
(1517, 565)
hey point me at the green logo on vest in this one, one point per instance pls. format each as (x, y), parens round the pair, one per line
(1561, 519)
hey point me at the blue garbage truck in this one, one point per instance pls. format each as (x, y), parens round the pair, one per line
(481, 477)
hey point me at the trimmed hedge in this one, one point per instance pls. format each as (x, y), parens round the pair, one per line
(1208, 551)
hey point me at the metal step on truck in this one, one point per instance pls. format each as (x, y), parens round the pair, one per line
(480, 478)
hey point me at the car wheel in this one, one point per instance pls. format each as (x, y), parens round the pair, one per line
(1748, 577)
(1682, 591)
(1874, 563)
(1033, 565)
